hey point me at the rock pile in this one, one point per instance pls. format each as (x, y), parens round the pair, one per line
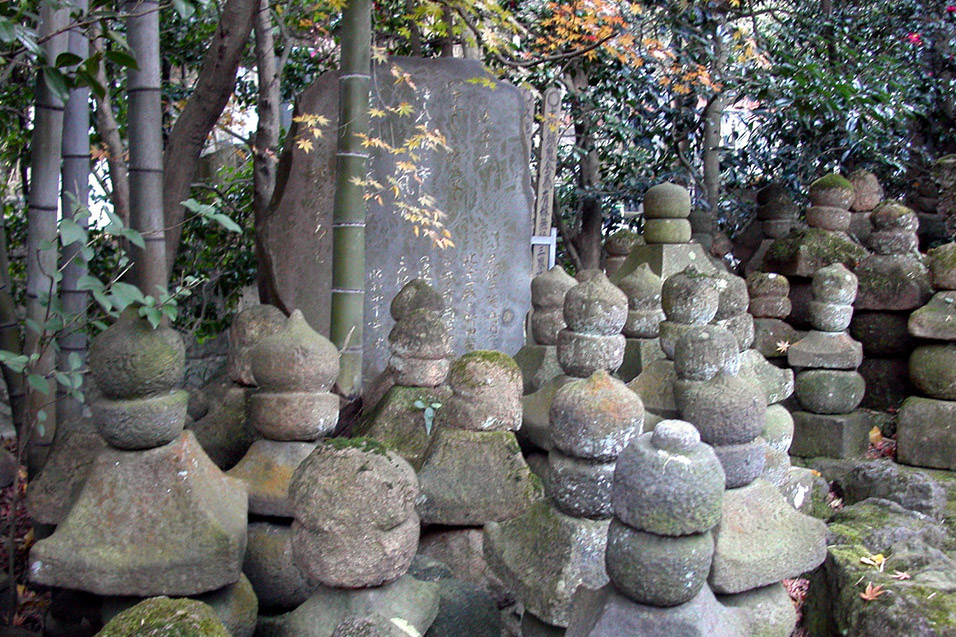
(538, 360)
(828, 386)
(644, 314)
(770, 307)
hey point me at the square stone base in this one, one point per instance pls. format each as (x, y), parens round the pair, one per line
(926, 433)
(638, 354)
(832, 436)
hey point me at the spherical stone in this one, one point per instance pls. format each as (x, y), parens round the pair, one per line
(726, 409)
(351, 487)
(596, 306)
(942, 266)
(642, 287)
(777, 307)
(418, 372)
(296, 358)
(248, 328)
(482, 414)
(666, 201)
(548, 289)
(742, 463)
(487, 376)
(669, 333)
(595, 418)
(690, 297)
(933, 370)
(131, 359)
(580, 488)
(356, 559)
(164, 616)
(417, 294)
(827, 218)
(893, 215)
(141, 423)
(580, 355)
(668, 482)
(268, 563)
(420, 334)
(834, 284)
(784, 210)
(764, 284)
(829, 391)
(545, 325)
(777, 228)
(867, 191)
(832, 190)
(778, 430)
(655, 570)
(298, 416)
(733, 297)
(703, 351)
(742, 327)
(893, 242)
(657, 231)
(622, 242)
(643, 323)
(773, 193)
(830, 317)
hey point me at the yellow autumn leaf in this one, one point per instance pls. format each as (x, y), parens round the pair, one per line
(877, 561)
(876, 436)
(305, 145)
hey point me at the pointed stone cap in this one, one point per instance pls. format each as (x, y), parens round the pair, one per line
(595, 418)
(296, 358)
(666, 201)
(642, 288)
(690, 297)
(486, 375)
(132, 360)
(248, 328)
(595, 306)
(548, 289)
(832, 190)
(834, 284)
(414, 295)
(867, 191)
(421, 334)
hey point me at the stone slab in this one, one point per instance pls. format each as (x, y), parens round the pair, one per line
(665, 259)
(832, 436)
(926, 433)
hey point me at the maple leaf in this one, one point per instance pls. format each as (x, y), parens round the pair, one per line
(872, 592)
(783, 346)
(901, 575)
(305, 145)
(876, 436)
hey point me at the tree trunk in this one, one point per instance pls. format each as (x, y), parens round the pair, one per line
(10, 335)
(587, 240)
(213, 90)
(267, 140)
(348, 216)
(146, 145)
(42, 216)
(108, 130)
(76, 182)
(704, 222)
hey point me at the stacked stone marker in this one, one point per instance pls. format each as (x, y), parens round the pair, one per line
(828, 386)
(667, 497)
(355, 534)
(777, 215)
(152, 493)
(689, 299)
(292, 408)
(617, 246)
(538, 360)
(421, 355)
(893, 283)
(644, 314)
(867, 195)
(473, 471)
(546, 553)
(667, 233)
(925, 435)
(770, 306)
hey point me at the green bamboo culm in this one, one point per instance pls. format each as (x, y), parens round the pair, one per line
(348, 215)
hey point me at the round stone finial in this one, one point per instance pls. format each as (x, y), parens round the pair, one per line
(732, 294)
(131, 359)
(893, 215)
(296, 358)
(690, 297)
(676, 436)
(832, 190)
(642, 287)
(420, 334)
(622, 242)
(867, 191)
(666, 201)
(485, 374)
(834, 284)
(548, 289)
(414, 295)
(595, 306)
(595, 417)
(248, 328)
(760, 284)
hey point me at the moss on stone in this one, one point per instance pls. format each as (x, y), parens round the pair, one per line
(362, 444)
(825, 245)
(832, 180)
(459, 373)
(165, 617)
